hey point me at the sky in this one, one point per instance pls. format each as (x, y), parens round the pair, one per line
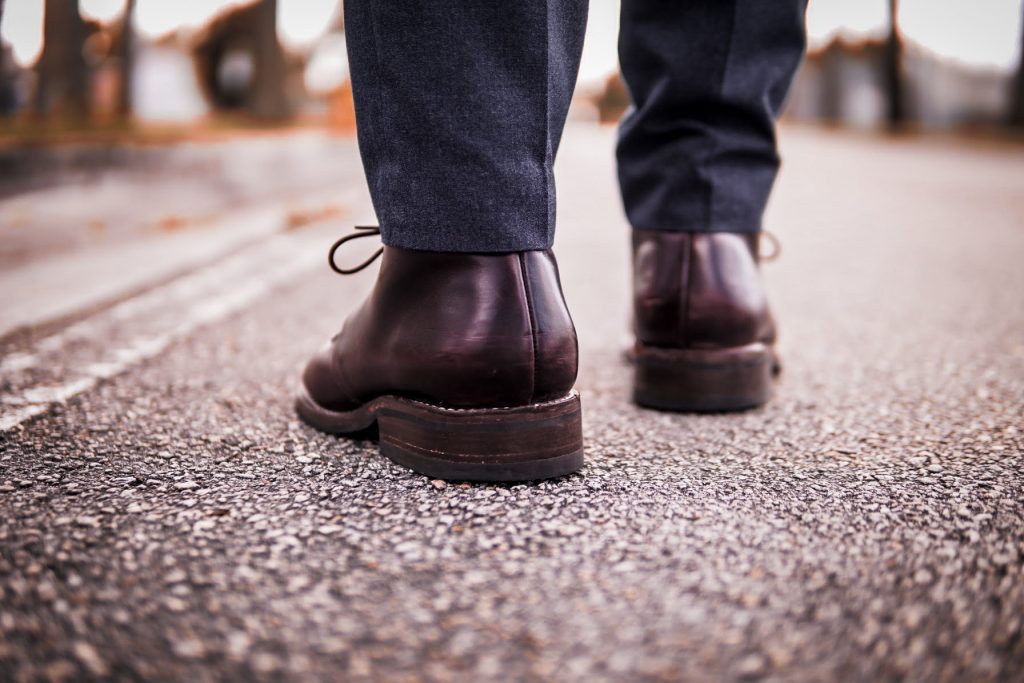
(982, 32)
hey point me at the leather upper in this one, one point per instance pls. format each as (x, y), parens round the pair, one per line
(698, 290)
(457, 330)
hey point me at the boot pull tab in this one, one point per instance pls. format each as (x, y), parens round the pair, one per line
(361, 231)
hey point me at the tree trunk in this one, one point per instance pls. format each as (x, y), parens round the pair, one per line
(895, 111)
(268, 100)
(1017, 85)
(124, 103)
(63, 78)
(7, 97)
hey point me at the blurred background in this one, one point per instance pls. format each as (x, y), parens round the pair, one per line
(124, 69)
(103, 65)
(106, 65)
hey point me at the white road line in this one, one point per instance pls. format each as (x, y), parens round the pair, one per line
(138, 329)
(39, 291)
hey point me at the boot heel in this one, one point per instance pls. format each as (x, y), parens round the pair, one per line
(703, 380)
(537, 441)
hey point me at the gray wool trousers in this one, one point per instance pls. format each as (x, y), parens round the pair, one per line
(460, 107)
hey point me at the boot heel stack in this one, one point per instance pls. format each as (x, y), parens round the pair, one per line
(537, 441)
(703, 380)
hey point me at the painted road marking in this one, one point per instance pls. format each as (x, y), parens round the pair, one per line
(138, 329)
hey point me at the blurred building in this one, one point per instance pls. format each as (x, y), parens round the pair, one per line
(234, 63)
(844, 83)
(241, 65)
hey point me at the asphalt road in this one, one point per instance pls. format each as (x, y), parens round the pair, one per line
(173, 520)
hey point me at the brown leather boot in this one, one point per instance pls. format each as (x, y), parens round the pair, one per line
(704, 334)
(466, 362)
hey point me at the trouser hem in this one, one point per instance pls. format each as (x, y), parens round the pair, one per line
(465, 240)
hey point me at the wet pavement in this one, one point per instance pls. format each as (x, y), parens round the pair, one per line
(163, 514)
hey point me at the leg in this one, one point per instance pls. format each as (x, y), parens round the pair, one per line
(707, 78)
(464, 361)
(460, 108)
(697, 160)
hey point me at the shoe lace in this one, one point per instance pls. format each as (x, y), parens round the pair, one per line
(360, 231)
(776, 247)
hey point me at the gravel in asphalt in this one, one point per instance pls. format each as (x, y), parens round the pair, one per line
(178, 522)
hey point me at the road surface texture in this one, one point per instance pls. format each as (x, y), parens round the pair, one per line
(164, 515)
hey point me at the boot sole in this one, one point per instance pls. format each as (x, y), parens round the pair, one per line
(704, 380)
(522, 443)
